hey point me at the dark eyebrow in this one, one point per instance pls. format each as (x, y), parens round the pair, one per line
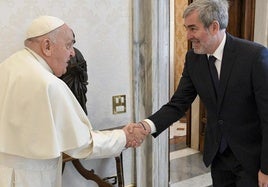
(190, 26)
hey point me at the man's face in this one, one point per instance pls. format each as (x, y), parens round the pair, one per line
(201, 38)
(62, 51)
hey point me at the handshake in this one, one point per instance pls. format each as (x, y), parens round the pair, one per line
(136, 133)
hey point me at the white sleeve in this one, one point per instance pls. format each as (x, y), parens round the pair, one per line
(152, 125)
(103, 144)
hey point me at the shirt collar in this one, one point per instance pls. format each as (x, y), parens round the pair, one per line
(219, 51)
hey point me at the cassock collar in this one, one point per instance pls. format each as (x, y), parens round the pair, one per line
(39, 59)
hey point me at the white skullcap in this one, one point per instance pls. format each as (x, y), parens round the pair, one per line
(43, 25)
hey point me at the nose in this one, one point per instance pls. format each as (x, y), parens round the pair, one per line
(72, 53)
(189, 35)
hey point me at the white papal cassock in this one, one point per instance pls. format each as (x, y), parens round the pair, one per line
(39, 119)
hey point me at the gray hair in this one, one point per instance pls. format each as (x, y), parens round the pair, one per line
(51, 35)
(209, 11)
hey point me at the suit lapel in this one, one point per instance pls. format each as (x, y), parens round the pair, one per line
(228, 61)
(205, 76)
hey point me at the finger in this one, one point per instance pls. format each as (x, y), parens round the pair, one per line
(140, 132)
(139, 143)
(137, 125)
(140, 139)
(135, 144)
(130, 128)
(128, 145)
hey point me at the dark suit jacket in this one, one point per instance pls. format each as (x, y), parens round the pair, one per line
(241, 110)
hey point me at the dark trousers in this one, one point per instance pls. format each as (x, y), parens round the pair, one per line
(226, 171)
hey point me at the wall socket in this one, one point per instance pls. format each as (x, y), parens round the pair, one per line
(119, 104)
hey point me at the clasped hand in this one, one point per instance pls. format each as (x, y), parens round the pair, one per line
(136, 133)
(263, 179)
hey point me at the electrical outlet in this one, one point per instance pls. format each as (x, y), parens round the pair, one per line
(119, 104)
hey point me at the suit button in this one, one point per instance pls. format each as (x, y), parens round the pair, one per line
(220, 122)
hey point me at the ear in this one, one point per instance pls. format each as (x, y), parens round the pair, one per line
(46, 47)
(215, 27)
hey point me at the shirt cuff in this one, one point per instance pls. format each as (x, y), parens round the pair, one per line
(151, 124)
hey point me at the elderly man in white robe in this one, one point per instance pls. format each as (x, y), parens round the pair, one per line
(40, 118)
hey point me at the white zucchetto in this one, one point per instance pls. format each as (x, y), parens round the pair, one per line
(43, 25)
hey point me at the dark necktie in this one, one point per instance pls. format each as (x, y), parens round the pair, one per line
(216, 82)
(214, 72)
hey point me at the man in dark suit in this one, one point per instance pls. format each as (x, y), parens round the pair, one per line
(236, 97)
